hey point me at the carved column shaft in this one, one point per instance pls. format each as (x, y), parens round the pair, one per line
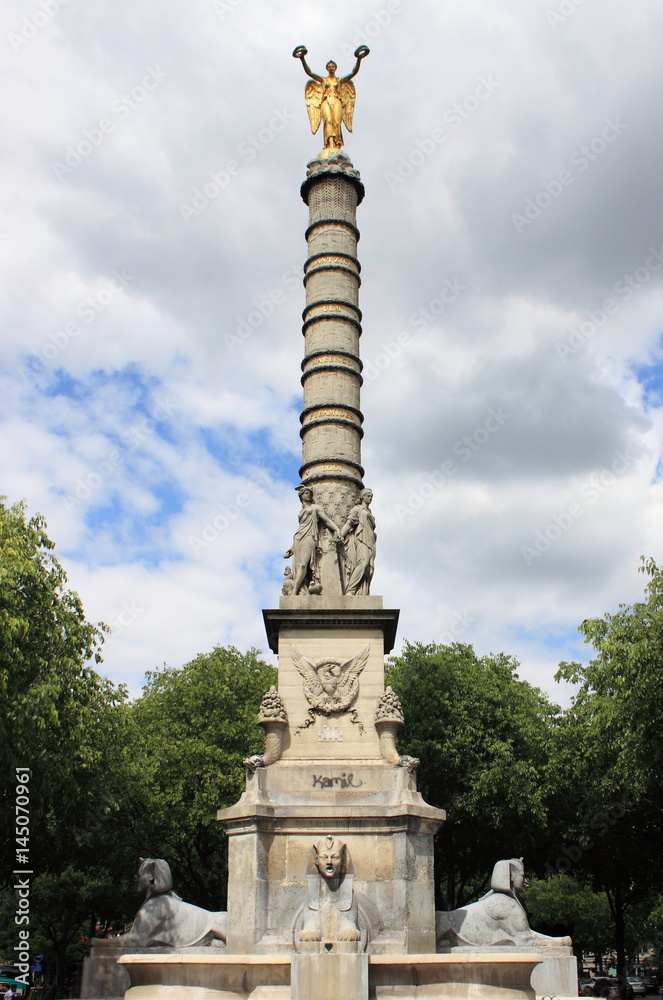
(331, 416)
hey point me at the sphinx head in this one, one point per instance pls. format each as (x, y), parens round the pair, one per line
(329, 857)
(154, 877)
(508, 876)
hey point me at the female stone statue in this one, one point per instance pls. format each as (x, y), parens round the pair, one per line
(359, 529)
(330, 99)
(304, 549)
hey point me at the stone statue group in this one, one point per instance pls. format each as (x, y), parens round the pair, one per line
(331, 910)
(359, 536)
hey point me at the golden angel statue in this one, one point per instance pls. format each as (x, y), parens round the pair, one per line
(330, 99)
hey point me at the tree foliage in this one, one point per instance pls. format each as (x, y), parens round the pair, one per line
(191, 730)
(622, 686)
(57, 714)
(483, 737)
(566, 905)
(612, 741)
(52, 701)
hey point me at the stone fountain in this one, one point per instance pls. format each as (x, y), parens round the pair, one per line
(330, 893)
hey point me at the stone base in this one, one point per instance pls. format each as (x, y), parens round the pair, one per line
(331, 977)
(556, 976)
(103, 978)
(181, 976)
(478, 976)
(387, 827)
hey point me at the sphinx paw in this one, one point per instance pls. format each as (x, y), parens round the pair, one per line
(310, 934)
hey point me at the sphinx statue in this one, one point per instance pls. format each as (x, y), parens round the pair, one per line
(331, 914)
(498, 918)
(165, 920)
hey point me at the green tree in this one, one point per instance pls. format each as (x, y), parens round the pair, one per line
(612, 741)
(191, 730)
(57, 714)
(483, 737)
(572, 906)
(52, 702)
(46, 686)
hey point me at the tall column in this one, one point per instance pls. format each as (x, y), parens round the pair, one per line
(331, 416)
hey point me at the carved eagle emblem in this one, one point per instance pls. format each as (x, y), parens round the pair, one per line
(330, 685)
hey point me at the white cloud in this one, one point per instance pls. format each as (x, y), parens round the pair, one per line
(520, 100)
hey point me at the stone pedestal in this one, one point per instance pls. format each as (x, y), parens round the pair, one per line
(431, 977)
(102, 976)
(187, 976)
(388, 829)
(321, 976)
(329, 977)
(556, 976)
(556, 973)
(331, 780)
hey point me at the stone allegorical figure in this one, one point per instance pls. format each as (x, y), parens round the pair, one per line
(330, 99)
(165, 920)
(304, 550)
(332, 909)
(286, 589)
(359, 529)
(498, 918)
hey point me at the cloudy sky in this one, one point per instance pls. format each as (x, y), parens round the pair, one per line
(152, 238)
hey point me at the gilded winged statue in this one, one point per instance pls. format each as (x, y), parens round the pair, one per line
(330, 685)
(330, 99)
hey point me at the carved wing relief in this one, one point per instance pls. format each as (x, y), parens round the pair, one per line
(348, 685)
(348, 96)
(313, 94)
(330, 686)
(312, 687)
